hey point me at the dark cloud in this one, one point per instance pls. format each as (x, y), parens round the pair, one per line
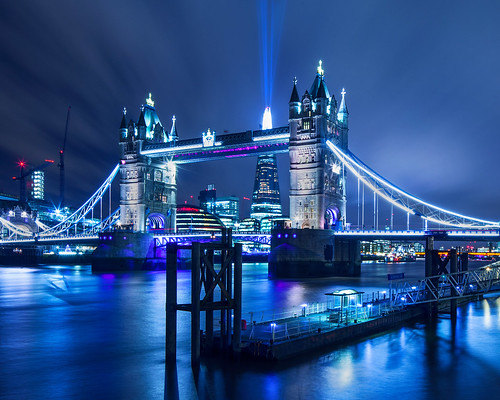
(422, 82)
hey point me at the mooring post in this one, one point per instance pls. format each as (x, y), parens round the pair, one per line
(195, 306)
(171, 305)
(429, 246)
(429, 271)
(229, 286)
(454, 291)
(209, 314)
(464, 262)
(238, 275)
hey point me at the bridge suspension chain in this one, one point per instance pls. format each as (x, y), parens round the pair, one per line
(106, 223)
(403, 200)
(79, 214)
(15, 229)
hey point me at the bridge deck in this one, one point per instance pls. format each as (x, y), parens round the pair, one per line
(248, 143)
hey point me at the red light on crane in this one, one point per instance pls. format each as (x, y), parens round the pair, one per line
(50, 161)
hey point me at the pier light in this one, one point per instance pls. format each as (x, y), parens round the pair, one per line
(273, 326)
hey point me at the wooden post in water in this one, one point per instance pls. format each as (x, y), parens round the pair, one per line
(429, 259)
(171, 305)
(195, 306)
(238, 278)
(454, 292)
(209, 315)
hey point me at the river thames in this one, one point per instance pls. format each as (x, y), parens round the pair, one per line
(66, 333)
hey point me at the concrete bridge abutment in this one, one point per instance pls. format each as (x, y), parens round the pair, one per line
(312, 253)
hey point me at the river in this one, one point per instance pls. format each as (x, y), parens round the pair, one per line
(66, 333)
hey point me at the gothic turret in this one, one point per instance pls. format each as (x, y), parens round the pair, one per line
(343, 114)
(294, 103)
(343, 120)
(123, 126)
(131, 131)
(317, 80)
(173, 131)
(321, 99)
(141, 125)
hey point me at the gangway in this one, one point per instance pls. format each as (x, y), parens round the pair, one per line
(451, 286)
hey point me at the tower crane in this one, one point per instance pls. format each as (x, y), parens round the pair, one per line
(61, 163)
(23, 174)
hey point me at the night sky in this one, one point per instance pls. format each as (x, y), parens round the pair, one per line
(422, 81)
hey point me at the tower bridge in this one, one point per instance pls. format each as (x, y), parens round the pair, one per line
(320, 240)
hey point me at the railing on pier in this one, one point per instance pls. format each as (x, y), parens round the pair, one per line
(446, 286)
(315, 318)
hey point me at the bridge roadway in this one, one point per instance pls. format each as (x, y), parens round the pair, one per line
(248, 143)
(419, 235)
(265, 238)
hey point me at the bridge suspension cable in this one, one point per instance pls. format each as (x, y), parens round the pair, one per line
(102, 226)
(403, 200)
(16, 229)
(79, 214)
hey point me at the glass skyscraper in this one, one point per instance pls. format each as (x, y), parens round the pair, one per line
(266, 192)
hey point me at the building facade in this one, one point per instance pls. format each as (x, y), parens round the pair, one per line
(266, 191)
(207, 198)
(317, 178)
(148, 190)
(36, 186)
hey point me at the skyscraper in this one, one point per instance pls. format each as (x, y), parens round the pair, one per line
(266, 192)
(207, 198)
(36, 186)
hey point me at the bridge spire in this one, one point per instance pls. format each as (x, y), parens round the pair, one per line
(173, 130)
(318, 79)
(123, 126)
(343, 113)
(294, 98)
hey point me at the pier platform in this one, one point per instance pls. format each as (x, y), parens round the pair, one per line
(299, 334)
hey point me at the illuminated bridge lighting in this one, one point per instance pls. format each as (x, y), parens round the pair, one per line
(405, 201)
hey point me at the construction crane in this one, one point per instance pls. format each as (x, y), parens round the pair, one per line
(23, 174)
(61, 163)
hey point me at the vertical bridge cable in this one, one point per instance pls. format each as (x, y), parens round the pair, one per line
(87, 207)
(403, 200)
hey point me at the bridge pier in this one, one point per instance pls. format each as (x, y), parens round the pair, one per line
(127, 251)
(312, 253)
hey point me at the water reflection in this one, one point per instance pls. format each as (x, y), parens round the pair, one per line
(70, 334)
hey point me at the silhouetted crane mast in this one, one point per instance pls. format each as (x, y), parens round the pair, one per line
(61, 163)
(23, 174)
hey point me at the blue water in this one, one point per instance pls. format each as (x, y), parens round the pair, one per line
(68, 334)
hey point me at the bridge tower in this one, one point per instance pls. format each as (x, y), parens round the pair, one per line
(317, 178)
(148, 190)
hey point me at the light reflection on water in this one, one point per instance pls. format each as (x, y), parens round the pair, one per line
(68, 334)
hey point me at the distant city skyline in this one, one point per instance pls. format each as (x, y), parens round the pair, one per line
(422, 88)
